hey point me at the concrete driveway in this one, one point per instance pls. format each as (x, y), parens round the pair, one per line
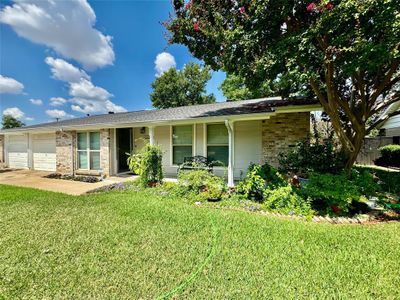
(36, 179)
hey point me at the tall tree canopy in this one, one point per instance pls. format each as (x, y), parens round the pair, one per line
(235, 88)
(179, 88)
(346, 51)
(11, 122)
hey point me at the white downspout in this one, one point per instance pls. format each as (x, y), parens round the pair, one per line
(229, 126)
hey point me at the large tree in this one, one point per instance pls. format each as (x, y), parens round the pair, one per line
(11, 122)
(182, 87)
(346, 51)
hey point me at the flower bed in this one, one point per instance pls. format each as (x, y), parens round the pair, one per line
(88, 179)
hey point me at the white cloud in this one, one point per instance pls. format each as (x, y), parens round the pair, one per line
(164, 61)
(86, 89)
(65, 26)
(9, 85)
(88, 98)
(29, 118)
(58, 114)
(57, 101)
(36, 101)
(94, 106)
(65, 71)
(14, 112)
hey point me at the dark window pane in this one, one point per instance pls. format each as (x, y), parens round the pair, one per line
(217, 134)
(82, 141)
(95, 160)
(179, 154)
(82, 160)
(182, 135)
(218, 153)
(95, 141)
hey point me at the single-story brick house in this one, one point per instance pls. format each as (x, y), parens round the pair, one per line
(236, 133)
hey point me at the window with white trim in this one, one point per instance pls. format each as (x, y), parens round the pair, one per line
(88, 150)
(217, 143)
(182, 143)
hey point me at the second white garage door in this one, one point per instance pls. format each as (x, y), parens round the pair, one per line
(44, 152)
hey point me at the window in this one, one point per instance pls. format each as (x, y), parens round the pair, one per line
(217, 143)
(88, 150)
(182, 143)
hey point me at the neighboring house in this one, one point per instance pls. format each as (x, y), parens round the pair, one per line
(391, 127)
(236, 133)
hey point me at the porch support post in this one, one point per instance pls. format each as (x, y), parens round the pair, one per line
(151, 135)
(229, 126)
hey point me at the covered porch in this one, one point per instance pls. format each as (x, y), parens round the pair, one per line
(215, 141)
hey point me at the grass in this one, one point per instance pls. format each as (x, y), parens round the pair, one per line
(138, 245)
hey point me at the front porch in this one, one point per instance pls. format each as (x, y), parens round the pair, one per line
(178, 142)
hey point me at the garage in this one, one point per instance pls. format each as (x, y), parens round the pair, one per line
(44, 152)
(17, 150)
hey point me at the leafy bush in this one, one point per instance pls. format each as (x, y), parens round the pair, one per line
(389, 181)
(148, 164)
(201, 183)
(332, 193)
(365, 181)
(285, 200)
(309, 157)
(390, 156)
(258, 178)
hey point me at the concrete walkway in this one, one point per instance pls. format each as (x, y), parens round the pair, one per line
(36, 179)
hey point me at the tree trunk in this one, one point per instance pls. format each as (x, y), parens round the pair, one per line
(351, 156)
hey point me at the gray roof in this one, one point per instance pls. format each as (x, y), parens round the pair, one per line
(218, 109)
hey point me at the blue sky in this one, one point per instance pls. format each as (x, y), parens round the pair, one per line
(68, 58)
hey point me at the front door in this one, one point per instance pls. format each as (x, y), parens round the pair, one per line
(124, 145)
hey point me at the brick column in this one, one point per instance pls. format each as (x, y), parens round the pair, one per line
(65, 151)
(105, 151)
(281, 132)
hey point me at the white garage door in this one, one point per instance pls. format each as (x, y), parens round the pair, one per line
(17, 151)
(44, 152)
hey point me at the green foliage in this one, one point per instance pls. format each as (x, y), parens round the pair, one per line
(201, 185)
(346, 52)
(390, 156)
(287, 201)
(234, 88)
(307, 157)
(11, 122)
(332, 193)
(148, 164)
(133, 161)
(365, 181)
(258, 178)
(388, 180)
(180, 88)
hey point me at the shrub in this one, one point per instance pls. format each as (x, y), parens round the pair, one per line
(201, 183)
(390, 156)
(285, 200)
(309, 157)
(148, 164)
(365, 182)
(389, 181)
(258, 178)
(332, 193)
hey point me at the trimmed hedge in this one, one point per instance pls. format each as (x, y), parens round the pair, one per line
(390, 156)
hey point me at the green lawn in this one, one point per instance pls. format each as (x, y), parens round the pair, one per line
(137, 245)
